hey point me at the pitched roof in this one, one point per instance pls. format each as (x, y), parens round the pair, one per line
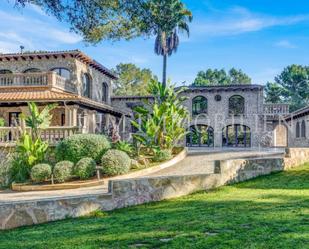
(47, 54)
(34, 95)
(47, 95)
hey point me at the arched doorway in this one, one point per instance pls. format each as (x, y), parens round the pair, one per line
(200, 136)
(281, 136)
(236, 136)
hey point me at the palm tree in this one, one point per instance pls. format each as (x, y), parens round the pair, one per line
(167, 19)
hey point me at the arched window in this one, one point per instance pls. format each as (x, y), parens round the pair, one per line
(199, 105)
(297, 130)
(86, 85)
(200, 136)
(63, 72)
(104, 92)
(32, 70)
(5, 71)
(303, 129)
(236, 105)
(236, 136)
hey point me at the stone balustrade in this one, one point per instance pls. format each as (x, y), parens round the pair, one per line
(39, 79)
(52, 134)
(276, 109)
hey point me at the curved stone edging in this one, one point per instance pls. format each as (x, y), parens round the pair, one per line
(179, 157)
(134, 191)
(73, 185)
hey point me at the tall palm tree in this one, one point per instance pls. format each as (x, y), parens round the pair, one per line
(167, 19)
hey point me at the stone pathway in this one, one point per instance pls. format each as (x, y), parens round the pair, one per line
(197, 162)
(202, 162)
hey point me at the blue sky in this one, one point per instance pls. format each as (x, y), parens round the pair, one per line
(259, 37)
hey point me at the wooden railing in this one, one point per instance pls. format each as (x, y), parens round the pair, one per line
(276, 109)
(51, 134)
(37, 80)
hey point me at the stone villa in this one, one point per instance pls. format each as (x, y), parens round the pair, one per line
(80, 86)
(221, 116)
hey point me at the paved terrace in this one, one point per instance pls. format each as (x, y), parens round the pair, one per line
(198, 161)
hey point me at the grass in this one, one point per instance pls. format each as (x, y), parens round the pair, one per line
(268, 212)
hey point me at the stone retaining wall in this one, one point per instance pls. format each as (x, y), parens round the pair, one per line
(128, 192)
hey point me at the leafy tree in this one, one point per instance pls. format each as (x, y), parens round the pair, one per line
(123, 19)
(221, 77)
(274, 93)
(132, 80)
(239, 77)
(95, 20)
(292, 85)
(166, 18)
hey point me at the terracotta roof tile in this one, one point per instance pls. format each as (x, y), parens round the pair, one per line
(41, 95)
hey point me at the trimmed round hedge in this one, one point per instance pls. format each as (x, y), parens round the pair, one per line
(63, 171)
(85, 168)
(162, 155)
(40, 172)
(78, 146)
(115, 162)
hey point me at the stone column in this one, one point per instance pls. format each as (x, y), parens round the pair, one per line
(71, 115)
(25, 111)
(92, 121)
(86, 122)
(218, 138)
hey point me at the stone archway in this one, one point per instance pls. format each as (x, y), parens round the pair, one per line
(280, 136)
(236, 135)
(200, 136)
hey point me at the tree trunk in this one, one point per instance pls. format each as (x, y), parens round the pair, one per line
(164, 69)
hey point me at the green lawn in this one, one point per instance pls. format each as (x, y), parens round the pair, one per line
(268, 212)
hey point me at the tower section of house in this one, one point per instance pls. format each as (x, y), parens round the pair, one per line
(80, 86)
(230, 116)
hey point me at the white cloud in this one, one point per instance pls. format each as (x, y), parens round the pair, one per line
(240, 20)
(35, 32)
(285, 44)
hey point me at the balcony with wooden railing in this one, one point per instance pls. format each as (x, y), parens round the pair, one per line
(41, 79)
(276, 109)
(52, 135)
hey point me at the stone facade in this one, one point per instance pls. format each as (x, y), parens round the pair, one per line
(92, 112)
(128, 192)
(76, 67)
(298, 128)
(218, 117)
(259, 126)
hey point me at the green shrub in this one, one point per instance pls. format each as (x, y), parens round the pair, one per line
(63, 171)
(116, 162)
(19, 170)
(5, 168)
(78, 146)
(85, 168)
(40, 172)
(124, 146)
(162, 155)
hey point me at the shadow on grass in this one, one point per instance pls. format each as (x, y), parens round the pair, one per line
(284, 180)
(224, 218)
(195, 222)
